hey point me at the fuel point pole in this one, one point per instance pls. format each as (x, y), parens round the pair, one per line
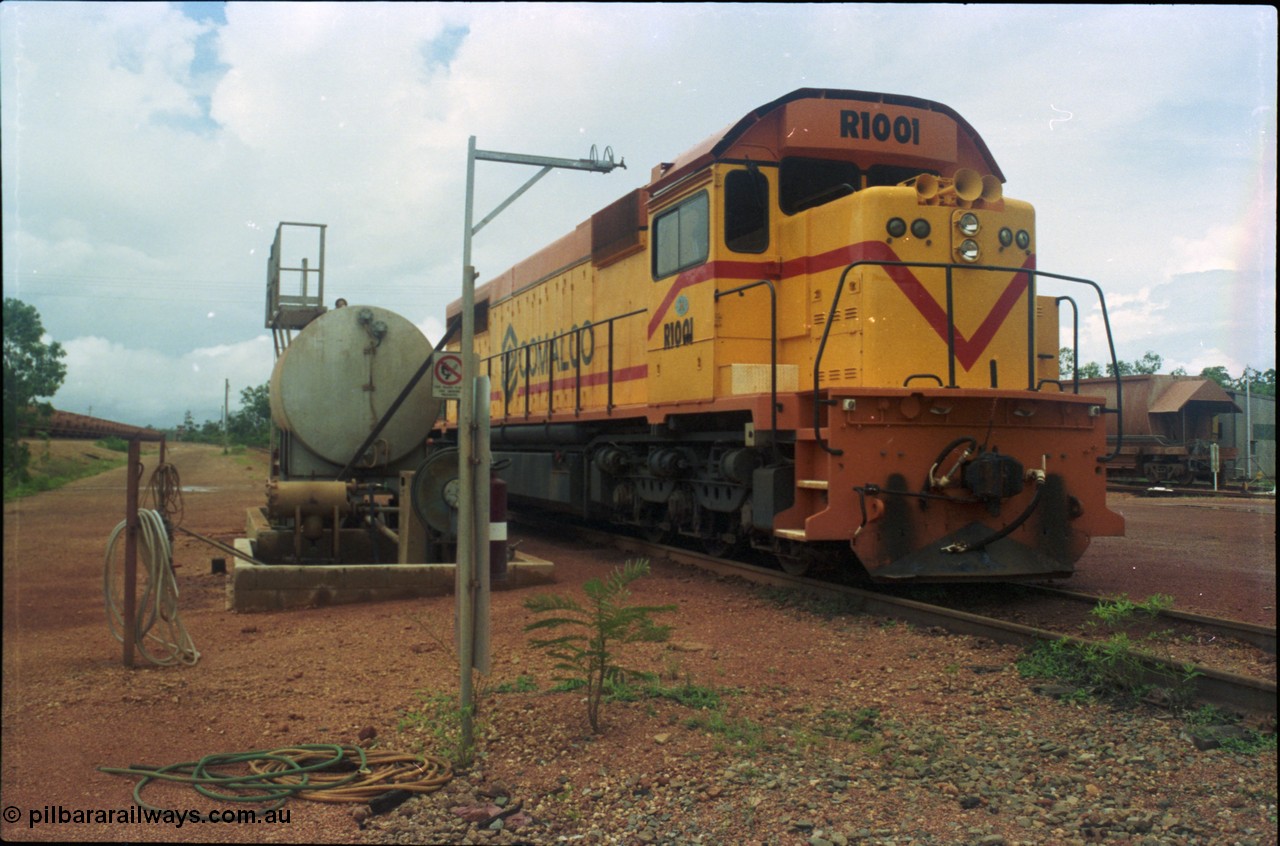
(464, 588)
(474, 459)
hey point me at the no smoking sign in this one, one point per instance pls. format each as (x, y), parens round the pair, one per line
(446, 376)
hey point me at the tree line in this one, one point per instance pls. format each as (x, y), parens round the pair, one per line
(1260, 382)
(34, 370)
(250, 426)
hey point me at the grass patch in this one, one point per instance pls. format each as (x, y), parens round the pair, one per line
(644, 686)
(1108, 668)
(1118, 610)
(436, 723)
(1246, 741)
(47, 472)
(742, 733)
(522, 684)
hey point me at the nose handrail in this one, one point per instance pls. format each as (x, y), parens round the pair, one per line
(1032, 274)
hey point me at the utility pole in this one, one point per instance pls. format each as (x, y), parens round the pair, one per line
(226, 415)
(1248, 429)
(473, 460)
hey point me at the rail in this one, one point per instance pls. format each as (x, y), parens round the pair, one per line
(948, 267)
(1206, 684)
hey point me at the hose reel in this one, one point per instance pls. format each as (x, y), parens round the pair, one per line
(435, 493)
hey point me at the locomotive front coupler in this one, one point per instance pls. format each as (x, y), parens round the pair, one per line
(993, 478)
(1036, 476)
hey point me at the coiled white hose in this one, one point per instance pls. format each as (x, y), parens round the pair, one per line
(159, 600)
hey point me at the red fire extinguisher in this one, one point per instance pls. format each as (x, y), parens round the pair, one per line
(497, 528)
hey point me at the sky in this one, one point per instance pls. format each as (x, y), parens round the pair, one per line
(149, 150)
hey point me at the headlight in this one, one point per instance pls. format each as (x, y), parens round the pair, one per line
(1024, 239)
(969, 224)
(1006, 236)
(896, 227)
(920, 228)
(968, 250)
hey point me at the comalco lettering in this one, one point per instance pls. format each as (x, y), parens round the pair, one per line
(867, 126)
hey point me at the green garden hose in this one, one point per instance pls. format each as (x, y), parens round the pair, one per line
(322, 772)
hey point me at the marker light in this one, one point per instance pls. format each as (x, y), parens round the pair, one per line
(969, 224)
(968, 250)
(1006, 237)
(920, 228)
(896, 227)
(1024, 239)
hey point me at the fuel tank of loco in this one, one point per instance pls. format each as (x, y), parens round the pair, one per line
(341, 375)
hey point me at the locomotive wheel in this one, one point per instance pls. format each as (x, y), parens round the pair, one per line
(724, 546)
(655, 533)
(793, 565)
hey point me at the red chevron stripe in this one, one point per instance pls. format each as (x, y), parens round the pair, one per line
(968, 350)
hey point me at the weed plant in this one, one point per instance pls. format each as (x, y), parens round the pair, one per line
(587, 655)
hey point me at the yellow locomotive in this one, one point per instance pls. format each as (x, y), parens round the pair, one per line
(818, 333)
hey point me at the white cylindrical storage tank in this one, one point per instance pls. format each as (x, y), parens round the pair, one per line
(341, 374)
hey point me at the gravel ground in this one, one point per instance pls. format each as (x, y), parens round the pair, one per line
(779, 721)
(846, 730)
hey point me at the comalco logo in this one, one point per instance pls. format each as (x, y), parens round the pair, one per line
(678, 333)
(537, 357)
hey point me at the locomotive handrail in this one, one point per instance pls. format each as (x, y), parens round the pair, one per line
(1032, 274)
(1075, 342)
(773, 353)
(509, 356)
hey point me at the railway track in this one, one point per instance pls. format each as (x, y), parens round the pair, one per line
(1232, 691)
(1260, 636)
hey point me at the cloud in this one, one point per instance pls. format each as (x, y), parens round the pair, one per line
(146, 169)
(142, 387)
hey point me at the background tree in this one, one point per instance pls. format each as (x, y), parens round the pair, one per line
(1149, 363)
(1258, 382)
(32, 369)
(251, 425)
(1219, 374)
(1091, 370)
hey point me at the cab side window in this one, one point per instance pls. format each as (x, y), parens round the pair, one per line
(746, 211)
(681, 236)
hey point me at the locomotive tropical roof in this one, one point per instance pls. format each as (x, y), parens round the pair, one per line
(769, 133)
(762, 120)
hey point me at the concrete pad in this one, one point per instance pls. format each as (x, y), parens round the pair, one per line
(275, 587)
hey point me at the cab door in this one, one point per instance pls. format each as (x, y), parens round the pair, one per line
(681, 328)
